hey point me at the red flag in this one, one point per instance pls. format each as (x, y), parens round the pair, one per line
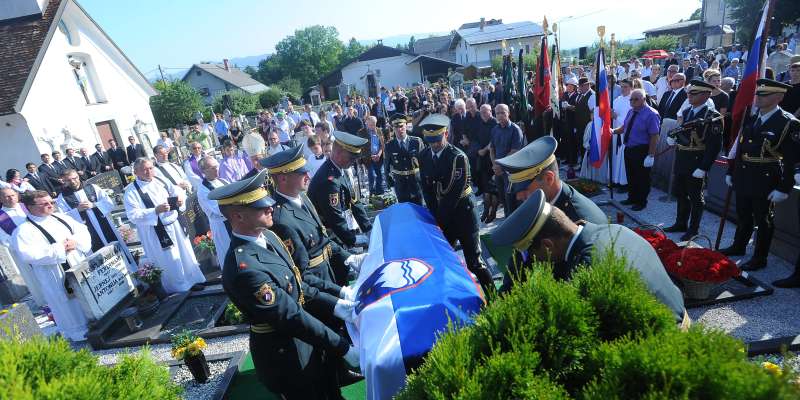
(541, 85)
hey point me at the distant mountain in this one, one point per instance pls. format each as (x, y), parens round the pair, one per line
(248, 61)
(393, 41)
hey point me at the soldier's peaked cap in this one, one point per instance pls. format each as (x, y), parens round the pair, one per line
(399, 119)
(522, 226)
(289, 160)
(765, 85)
(349, 142)
(248, 192)
(697, 85)
(530, 161)
(433, 126)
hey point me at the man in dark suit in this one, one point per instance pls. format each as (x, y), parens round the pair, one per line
(59, 163)
(89, 165)
(37, 180)
(50, 173)
(73, 162)
(117, 157)
(671, 101)
(101, 159)
(134, 150)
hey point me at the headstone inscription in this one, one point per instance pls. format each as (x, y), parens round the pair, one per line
(101, 281)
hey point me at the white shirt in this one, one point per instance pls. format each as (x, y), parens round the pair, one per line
(646, 71)
(622, 105)
(649, 88)
(294, 200)
(260, 240)
(310, 116)
(765, 117)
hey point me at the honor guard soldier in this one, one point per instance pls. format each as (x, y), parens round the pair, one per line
(402, 162)
(331, 191)
(763, 171)
(533, 168)
(546, 233)
(446, 185)
(288, 344)
(698, 142)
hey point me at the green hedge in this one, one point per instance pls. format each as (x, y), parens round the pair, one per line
(49, 369)
(599, 336)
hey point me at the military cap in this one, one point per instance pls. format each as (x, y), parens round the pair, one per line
(247, 192)
(583, 80)
(522, 226)
(399, 119)
(526, 164)
(794, 62)
(433, 126)
(283, 162)
(572, 81)
(349, 142)
(769, 86)
(697, 85)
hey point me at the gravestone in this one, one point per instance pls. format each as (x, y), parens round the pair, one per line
(12, 285)
(18, 321)
(101, 281)
(107, 180)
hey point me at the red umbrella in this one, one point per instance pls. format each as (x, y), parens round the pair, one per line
(655, 54)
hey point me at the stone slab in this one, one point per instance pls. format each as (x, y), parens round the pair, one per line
(18, 320)
(773, 346)
(101, 281)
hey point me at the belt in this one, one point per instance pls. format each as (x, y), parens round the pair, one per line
(760, 160)
(691, 148)
(322, 257)
(405, 173)
(261, 328)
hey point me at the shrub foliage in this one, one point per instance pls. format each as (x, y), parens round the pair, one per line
(600, 336)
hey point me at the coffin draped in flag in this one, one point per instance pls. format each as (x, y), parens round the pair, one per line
(601, 126)
(410, 287)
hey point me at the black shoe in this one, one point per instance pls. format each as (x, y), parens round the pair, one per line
(754, 264)
(348, 377)
(626, 202)
(792, 281)
(733, 251)
(688, 235)
(676, 228)
(639, 207)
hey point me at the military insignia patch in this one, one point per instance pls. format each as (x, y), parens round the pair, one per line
(289, 245)
(334, 199)
(266, 295)
(330, 178)
(242, 266)
(458, 173)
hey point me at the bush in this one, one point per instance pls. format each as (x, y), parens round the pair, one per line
(661, 42)
(41, 368)
(269, 98)
(175, 104)
(241, 102)
(600, 336)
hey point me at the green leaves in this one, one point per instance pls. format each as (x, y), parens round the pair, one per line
(175, 104)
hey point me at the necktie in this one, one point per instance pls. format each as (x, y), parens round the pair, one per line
(629, 127)
(691, 115)
(403, 145)
(757, 124)
(671, 97)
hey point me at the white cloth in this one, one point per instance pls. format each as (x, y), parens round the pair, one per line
(311, 117)
(179, 264)
(253, 143)
(18, 215)
(105, 205)
(662, 86)
(621, 106)
(587, 171)
(313, 163)
(174, 171)
(650, 89)
(45, 259)
(219, 233)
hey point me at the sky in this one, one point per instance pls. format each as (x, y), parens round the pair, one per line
(179, 33)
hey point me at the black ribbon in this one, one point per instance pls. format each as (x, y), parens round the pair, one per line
(105, 227)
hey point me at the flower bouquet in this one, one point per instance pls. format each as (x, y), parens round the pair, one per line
(587, 187)
(205, 242)
(663, 245)
(151, 275)
(700, 269)
(189, 348)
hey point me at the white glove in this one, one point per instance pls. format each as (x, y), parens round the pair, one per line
(777, 196)
(649, 161)
(344, 310)
(670, 141)
(347, 293)
(351, 357)
(362, 239)
(728, 181)
(355, 261)
(797, 179)
(699, 173)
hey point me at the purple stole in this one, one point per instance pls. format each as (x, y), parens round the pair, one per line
(7, 223)
(195, 166)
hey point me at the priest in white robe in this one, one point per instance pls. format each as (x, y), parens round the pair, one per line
(220, 230)
(169, 171)
(12, 215)
(92, 206)
(147, 203)
(52, 242)
(620, 107)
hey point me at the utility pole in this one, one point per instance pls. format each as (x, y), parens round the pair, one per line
(162, 73)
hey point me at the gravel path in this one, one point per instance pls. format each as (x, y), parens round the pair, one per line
(200, 391)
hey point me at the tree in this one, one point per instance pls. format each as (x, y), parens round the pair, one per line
(290, 87)
(662, 42)
(270, 98)
(308, 54)
(354, 49)
(249, 70)
(411, 43)
(695, 15)
(241, 102)
(747, 14)
(175, 104)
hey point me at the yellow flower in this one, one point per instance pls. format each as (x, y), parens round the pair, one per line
(2, 312)
(772, 368)
(201, 344)
(178, 353)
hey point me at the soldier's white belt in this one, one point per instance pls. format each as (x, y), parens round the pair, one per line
(691, 148)
(324, 256)
(405, 173)
(760, 160)
(262, 328)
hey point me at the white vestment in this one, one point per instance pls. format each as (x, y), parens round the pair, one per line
(173, 173)
(621, 106)
(34, 248)
(178, 262)
(219, 233)
(18, 216)
(587, 171)
(105, 205)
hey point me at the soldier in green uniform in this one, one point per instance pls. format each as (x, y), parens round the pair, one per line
(288, 344)
(331, 191)
(535, 167)
(446, 186)
(763, 171)
(547, 233)
(402, 162)
(698, 142)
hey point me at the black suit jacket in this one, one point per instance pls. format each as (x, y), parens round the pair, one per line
(118, 157)
(671, 110)
(100, 161)
(135, 151)
(42, 183)
(50, 173)
(90, 165)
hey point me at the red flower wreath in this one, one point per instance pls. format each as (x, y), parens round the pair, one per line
(701, 265)
(660, 242)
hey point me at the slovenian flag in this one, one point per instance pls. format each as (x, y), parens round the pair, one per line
(410, 286)
(753, 70)
(601, 126)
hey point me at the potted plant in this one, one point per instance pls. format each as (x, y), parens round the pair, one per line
(189, 348)
(151, 275)
(205, 242)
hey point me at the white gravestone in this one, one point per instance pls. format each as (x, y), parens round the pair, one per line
(101, 281)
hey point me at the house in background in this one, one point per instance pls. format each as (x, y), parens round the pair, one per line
(436, 46)
(477, 45)
(211, 78)
(382, 66)
(716, 29)
(65, 84)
